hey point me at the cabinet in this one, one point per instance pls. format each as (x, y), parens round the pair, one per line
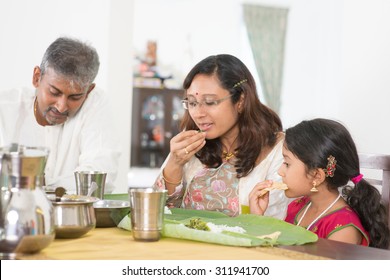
(156, 116)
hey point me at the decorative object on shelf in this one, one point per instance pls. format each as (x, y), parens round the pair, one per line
(147, 73)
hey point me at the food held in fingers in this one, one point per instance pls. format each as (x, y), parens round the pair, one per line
(274, 186)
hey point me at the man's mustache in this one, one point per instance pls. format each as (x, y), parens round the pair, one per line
(53, 109)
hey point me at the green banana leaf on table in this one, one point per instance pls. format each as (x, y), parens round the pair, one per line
(259, 230)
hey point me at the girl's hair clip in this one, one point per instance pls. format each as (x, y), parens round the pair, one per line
(330, 167)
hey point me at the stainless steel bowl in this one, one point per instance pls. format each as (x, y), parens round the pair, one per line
(110, 212)
(74, 216)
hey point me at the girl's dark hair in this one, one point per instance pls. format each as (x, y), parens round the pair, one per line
(257, 123)
(313, 142)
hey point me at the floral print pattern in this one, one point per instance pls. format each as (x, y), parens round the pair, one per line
(214, 189)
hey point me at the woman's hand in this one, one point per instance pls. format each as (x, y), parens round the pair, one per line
(185, 144)
(258, 204)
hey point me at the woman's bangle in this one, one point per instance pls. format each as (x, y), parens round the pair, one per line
(169, 182)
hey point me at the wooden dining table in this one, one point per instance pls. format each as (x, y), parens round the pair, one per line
(118, 244)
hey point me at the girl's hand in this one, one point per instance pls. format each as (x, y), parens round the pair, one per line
(185, 144)
(258, 204)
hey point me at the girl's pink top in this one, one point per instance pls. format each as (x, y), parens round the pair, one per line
(331, 222)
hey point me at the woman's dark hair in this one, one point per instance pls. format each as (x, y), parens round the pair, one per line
(313, 141)
(257, 123)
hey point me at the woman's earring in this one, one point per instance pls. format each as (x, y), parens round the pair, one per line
(314, 188)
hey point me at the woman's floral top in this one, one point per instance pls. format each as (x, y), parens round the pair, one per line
(214, 189)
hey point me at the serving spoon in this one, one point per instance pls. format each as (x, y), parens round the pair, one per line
(59, 192)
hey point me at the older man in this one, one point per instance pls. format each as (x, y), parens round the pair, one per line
(65, 113)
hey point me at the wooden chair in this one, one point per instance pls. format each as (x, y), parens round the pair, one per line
(381, 163)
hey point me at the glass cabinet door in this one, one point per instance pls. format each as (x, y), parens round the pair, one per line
(155, 120)
(176, 116)
(152, 130)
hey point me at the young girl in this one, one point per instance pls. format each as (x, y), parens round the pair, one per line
(319, 158)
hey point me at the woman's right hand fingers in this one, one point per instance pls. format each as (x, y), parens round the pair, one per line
(185, 144)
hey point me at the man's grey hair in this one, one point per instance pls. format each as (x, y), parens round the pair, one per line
(72, 59)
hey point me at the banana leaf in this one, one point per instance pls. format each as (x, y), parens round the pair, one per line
(256, 228)
(259, 230)
(116, 196)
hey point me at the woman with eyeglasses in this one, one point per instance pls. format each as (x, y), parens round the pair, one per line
(229, 142)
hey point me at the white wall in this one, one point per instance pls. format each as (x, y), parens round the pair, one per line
(28, 27)
(336, 56)
(188, 31)
(366, 70)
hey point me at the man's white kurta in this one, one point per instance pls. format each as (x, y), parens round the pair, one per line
(86, 142)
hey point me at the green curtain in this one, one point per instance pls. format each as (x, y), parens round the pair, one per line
(266, 27)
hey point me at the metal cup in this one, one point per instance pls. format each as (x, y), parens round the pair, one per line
(147, 213)
(85, 180)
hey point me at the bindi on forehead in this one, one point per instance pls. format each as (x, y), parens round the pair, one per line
(199, 95)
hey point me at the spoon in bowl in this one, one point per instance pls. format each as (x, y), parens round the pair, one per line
(59, 192)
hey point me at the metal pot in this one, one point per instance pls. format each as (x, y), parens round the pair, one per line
(74, 216)
(26, 215)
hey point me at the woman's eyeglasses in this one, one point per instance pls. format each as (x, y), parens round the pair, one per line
(209, 103)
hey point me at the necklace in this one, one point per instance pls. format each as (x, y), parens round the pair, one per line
(320, 215)
(226, 155)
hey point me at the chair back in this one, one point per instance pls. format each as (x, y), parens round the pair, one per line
(381, 163)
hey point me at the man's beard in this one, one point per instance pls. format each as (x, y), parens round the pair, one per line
(55, 121)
